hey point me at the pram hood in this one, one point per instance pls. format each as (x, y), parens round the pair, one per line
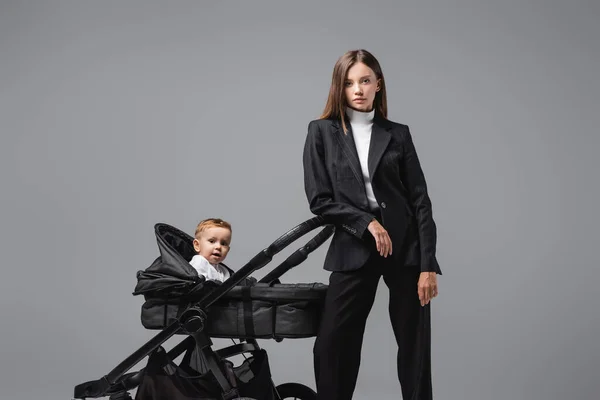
(170, 273)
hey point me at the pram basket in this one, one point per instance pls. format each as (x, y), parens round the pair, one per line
(177, 301)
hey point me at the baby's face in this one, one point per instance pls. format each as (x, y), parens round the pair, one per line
(213, 244)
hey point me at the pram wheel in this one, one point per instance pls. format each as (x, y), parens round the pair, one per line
(295, 391)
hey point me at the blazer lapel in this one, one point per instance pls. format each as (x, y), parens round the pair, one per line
(380, 138)
(346, 142)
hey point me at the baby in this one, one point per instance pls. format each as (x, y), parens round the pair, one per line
(212, 241)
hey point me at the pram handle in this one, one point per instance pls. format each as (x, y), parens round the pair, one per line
(293, 234)
(299, 255)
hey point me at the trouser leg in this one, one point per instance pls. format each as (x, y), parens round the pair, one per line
(412, 329)
(337, 349)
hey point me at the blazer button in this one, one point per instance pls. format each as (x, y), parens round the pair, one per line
(383, 205)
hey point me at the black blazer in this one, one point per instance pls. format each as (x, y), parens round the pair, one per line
(334, 188)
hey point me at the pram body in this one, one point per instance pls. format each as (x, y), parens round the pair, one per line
(179, 302)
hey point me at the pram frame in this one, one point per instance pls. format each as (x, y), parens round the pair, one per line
(117, 383)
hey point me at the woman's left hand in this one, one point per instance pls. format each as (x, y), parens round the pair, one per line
(427, 287)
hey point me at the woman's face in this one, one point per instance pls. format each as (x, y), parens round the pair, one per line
(360, 87)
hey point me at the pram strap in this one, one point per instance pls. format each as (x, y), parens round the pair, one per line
(248, 320)
(229, 388)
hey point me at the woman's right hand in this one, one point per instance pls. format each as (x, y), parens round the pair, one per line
(382, 239)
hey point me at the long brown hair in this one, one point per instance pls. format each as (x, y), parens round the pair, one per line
(336, 101)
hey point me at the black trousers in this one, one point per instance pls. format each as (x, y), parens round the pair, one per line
(350, 297)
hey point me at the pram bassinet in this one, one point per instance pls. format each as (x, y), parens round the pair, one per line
(249, 310)
(178, 301)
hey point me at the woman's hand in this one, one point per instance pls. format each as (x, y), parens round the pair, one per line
(382, 239)
(427, 287)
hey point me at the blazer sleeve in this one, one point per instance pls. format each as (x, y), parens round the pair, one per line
(319, 192)
(414, 180)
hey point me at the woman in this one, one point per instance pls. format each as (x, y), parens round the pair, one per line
(362, 174)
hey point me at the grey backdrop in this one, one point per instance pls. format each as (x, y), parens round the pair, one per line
(118, 115)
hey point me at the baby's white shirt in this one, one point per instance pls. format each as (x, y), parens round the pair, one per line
(210, 271)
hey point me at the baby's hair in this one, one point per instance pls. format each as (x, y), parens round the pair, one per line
(211, 223)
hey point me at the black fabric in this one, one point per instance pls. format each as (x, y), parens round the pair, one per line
(247, 302)
(278, 311)
(254, 377)
(338, 347)
(164, 380)
(176, 251)
(334, 189)
(260, 311)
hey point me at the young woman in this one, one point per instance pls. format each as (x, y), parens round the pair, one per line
(362, 174)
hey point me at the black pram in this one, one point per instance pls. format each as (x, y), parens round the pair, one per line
(178, 301)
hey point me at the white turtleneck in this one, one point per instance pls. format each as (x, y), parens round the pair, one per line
(362, 123)
(212, 272)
